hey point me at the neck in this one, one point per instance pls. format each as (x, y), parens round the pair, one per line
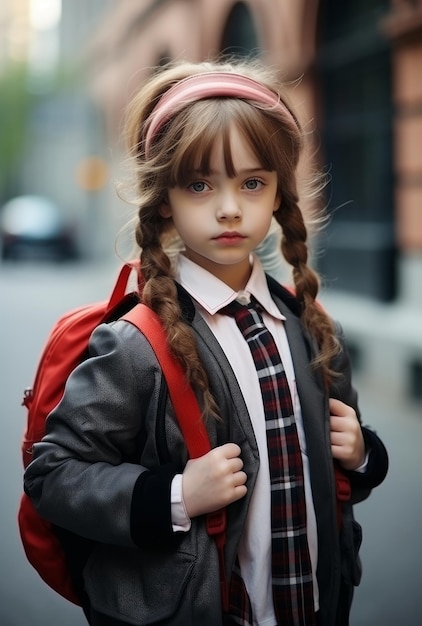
(234, 277)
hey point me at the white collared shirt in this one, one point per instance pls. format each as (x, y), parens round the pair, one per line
(210, 295)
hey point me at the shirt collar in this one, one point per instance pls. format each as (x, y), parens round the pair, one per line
(212, 294)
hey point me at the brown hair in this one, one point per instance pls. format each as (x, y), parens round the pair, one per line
(188, 136)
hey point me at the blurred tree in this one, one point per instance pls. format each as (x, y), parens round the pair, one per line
(15, 103)
(20, 94)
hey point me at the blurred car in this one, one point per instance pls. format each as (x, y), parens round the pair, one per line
(32, 228)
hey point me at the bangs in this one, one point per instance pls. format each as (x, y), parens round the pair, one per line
(200, 125)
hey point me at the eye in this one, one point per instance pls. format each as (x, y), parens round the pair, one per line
(198, 186)
(253, 184)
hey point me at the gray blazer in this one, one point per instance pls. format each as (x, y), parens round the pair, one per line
(104, 469)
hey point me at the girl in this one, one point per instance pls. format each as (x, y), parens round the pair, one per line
(215, 148)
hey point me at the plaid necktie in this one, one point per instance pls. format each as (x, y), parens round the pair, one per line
(291, 565)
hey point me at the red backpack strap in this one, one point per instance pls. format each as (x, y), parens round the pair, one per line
(216, 527)
(120, 287)
(343, 491)
(188, 415)
(181, 393)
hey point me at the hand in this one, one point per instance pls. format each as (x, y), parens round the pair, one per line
(347, 444)
(214, 480)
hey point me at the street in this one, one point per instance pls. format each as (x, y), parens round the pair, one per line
(32, 298)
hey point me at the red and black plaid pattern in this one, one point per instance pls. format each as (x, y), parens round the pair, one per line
(291, 565)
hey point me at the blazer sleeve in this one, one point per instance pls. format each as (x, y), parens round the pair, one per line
(377, 466)
(85, 475)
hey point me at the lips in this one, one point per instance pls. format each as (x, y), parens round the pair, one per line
(229, 236)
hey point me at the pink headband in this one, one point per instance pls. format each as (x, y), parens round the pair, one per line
(210, 85)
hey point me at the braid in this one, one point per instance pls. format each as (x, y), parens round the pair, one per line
(160, 294)
(314, 318)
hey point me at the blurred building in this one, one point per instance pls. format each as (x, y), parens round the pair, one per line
(360, 88)
(54, 129)
(14, 31)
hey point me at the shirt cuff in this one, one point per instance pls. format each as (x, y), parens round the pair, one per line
(179, 517)
(362, 468)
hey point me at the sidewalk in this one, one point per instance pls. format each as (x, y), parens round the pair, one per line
(385, 341)
(390, 592)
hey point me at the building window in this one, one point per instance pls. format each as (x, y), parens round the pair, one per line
(239, 36)
(359, 252)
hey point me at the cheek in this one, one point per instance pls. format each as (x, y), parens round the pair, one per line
(263, 225)
(186, 226)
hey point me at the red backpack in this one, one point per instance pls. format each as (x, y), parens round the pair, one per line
(66, 347)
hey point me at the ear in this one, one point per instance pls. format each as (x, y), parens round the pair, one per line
(277, 203)
(165, 209)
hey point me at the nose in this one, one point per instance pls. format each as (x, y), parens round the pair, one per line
(229, 207)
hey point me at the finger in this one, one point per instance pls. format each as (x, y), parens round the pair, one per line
(337, 424)
(337, 439)
(241, 478)
(239, 483)
(235, 464)
(230, 450)
(337, 407)
(337, 452)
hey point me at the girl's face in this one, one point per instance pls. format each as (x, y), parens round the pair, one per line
(222, 219)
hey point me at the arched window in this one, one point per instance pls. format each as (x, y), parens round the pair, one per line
(239, 36)
(354, 68)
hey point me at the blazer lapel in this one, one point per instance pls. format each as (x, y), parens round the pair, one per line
(235, 426)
